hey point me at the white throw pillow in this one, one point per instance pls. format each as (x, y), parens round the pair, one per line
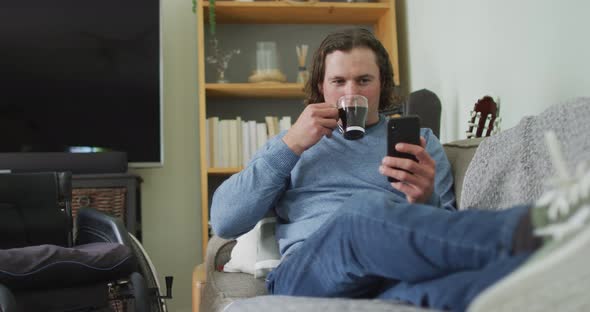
(243, 255)
(256, 252)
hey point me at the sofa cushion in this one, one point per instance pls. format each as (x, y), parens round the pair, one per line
(239, 285)
(288, 303)
(460, 154)
(224, 288)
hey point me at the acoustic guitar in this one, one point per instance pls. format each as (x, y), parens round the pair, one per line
(484, 119)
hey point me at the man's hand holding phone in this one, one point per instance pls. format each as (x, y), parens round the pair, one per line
(408, 166)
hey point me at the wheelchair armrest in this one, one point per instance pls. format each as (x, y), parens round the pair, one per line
(7, 302)
(94, 226)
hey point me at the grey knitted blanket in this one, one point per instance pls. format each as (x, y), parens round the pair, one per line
(511, 168)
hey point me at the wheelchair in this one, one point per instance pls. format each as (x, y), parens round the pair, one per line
(48, 262)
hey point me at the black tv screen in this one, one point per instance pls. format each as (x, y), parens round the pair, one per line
(81, 76)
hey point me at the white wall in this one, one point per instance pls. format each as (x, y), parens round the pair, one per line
(170, 195)
(529, 53)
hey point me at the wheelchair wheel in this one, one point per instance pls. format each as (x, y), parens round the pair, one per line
(149, 274)
(130, 295)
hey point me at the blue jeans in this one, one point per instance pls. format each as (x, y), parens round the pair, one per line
(374, 247)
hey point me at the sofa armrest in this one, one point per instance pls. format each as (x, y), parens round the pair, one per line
(460, 153)
(218, 254)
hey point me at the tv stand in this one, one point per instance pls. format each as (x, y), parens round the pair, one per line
(105, 192)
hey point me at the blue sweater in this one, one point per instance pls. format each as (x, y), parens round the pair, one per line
(305, 190)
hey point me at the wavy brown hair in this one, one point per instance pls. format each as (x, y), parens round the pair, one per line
(346, 40)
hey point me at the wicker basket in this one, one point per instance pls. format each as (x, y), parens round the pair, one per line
(108, 200)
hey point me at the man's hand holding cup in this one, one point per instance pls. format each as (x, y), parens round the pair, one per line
(316, 121)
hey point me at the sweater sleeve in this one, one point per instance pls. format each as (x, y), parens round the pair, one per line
(243, 199)
(444, 194)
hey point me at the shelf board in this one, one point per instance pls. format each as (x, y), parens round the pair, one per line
(280, 12)
(223, 171)
(256, 90)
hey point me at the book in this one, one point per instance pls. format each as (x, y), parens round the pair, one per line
(253, 138)
(208, 142)
(275, 125)
(285, 123)
(239, 147)
(261, 135)
(224, 140)
(233, 143)
(213, 152)
(270, 125)
(245, 144)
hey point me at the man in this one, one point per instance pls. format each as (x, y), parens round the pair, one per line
(343, 229)
(307, 173)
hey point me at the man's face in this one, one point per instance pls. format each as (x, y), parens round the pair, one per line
(353, 72)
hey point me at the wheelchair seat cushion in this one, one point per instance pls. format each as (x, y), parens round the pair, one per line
(45, 266)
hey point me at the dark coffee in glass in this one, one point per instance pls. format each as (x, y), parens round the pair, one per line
(352, 110)
(351, 118)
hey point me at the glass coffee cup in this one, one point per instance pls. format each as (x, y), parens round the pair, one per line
(352, 110)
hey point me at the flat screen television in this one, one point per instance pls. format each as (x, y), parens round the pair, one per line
(81, 76)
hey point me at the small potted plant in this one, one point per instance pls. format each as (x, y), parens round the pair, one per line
(219, 57)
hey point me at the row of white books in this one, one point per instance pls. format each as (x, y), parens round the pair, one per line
(231, 143)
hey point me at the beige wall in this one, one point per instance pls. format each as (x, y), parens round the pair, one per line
(529, 53)
(170, 194)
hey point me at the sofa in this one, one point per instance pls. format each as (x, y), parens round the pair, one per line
(510, 168)
(215, 290)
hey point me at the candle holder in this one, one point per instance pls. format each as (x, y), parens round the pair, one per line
(267, 64)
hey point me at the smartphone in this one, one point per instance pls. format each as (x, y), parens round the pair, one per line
(402, 129)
